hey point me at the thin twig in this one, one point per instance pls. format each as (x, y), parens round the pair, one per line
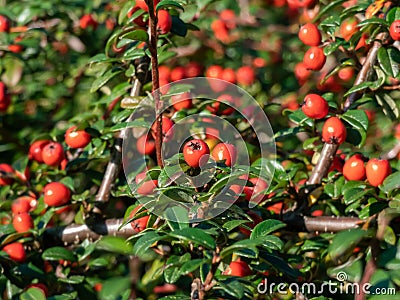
(324, 162)
(393, 153)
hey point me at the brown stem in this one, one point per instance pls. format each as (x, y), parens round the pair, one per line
(320, 224)
(393, 153)
(365, 71)
(324, 162)
(155, 78)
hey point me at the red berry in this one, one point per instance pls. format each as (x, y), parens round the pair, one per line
(310, 35)
(216, 72)
(193, 69)
(77, 138)
(167, 129)
(4, 24)
(256, 220)
(23, 204)
(300, 3)
(348, 28)
(56, 194)
(146, 145)
(182, 101)
(36, 149)
(87, 21)
(245, 75)
(164, 21)
(346, 74)
(139, 224)
(314, 59)
(219, 107)
(377, 170)
(315, 107)
(394, 30)
(15, 251)
(53, 154)
(229, 75)
(5, 99)
(196, 153)
(301, 72)
(239, 268)
(15, 48)
(226, 153)
(178, 73)
(255, 193)
(354, 168)
(334, 131)
(164, 72)
(22, 222)
(6, 173)
(229, 17)
(146, 187)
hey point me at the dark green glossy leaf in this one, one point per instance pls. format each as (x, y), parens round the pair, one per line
(391, 182)
(169, 3)
(144, 243)
(266, 227)
(195, 235)
(345, 240)
(58, 253)
(114, 244)
(33, 294)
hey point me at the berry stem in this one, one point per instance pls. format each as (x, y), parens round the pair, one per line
(324, 162)
(155, 78)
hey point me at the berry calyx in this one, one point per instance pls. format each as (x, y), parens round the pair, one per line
(196, 153)
(334, 131)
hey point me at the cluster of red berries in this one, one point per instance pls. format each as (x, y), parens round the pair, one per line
(223, 25)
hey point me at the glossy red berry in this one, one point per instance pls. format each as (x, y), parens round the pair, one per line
(53, 154)
(36, 149)
(226, 153)
(164, 21)
(167, 129)
(4, 24)
(256, 219)
(6, 174)
(334, 131)
(5, 99)
(377, 170)
(182, 101)
(23, 204)
(56, 194)
(22, 222)
(315, 107)
(216, 72)
(314, 59)
(394, 30)
(302, 73)
(245, 75)
(221, 107)
(239, 268)
(16, 252)
(229, 75)
(348, 28)
(193, 69)
(77, 138)
(310, 35)
(139, 224)
(256, 193)
(146, 145)
(196, 153)
(87, 21)
(354, 169)
(147, 187)
(177, 73)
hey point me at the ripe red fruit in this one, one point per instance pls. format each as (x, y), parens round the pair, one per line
(314, 59)
(87, 21)
(15, 48)
(36, 149)
(77, 138)
(146, 145)
(245, 75)
(164, 73)
(301, 72)
(315, 107)
(346, 74)
(377, 170)
(196, 153)
(354, 168)
(178, 73)
(23, 204)
(56, 194)
(5, 99)
(334, 131)
(15, 251)
(193, 69)
(226, 153)
(256, 219)
(229, 17)
(219, 107)
(254, 193)
(4, 24)
(139, 224)
(40, 286)
(53, 154)
(310, 35)
(216, 72)
(146, 187)
(239, 268)
(394, 30)
(229, 75)
(164, 21)
(348, 28)
(182, 101)
(167, 129)
(22, 222)
(5, 172)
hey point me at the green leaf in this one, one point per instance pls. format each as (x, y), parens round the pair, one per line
(272, 242)
(299, 117)
(102, 80)
(389, 106)
(115, 244)
(248, 245)
(349, 196)
(357, 118)
(393, 15)
(232, 224)
(114, 287)
(126, 125)
(374, 21)
(391, 182)
(328, 8)
(124, 10)
(178, 27)
(177, 217)
(389, 60)
(33, 294)
(169, 3)
(136, 35)
(74, 279)
(345, 240)
(360, 87)
(266, 227)
(57, 253)
(145, 241)
(192, 265)
(195, 235)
